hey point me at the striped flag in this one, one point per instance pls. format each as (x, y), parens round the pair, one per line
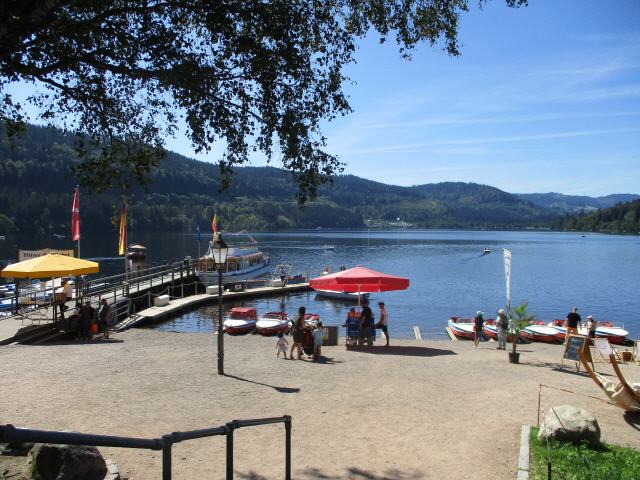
(122, 243)
(214, 224)
(75, 217)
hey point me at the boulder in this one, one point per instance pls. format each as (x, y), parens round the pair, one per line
(66, 462)
(570, 424)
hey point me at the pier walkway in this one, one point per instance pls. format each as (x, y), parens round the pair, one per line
(132, 298)
(156, 314)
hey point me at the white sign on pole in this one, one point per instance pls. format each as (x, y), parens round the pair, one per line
(507, 274)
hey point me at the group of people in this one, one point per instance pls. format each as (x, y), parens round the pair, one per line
(298, 330)
(87, 316)
(366, 322)
(501, 324)
(572, 323)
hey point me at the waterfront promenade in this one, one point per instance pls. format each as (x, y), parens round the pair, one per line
(430, 409)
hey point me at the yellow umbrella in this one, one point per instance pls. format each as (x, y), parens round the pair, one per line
(50, 266)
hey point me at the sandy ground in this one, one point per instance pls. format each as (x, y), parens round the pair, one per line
(419, 409)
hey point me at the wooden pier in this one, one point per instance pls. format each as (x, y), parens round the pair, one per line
(158, 314)
(132, 297)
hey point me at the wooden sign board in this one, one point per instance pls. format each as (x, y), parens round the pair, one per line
(576, 344)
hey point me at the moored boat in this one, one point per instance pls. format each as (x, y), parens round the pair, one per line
(345, 296)
(240, 321)
(561, 330)
(243, 262)
(462, 327)
(272, 323)
(491, 331)
(538, 331)
(615, 333)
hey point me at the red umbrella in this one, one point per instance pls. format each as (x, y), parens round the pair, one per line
(358, 280)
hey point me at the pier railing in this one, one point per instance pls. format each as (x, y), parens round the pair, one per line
(9, 433)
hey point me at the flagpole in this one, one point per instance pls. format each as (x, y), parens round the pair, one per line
(126, 264)
(78, 193)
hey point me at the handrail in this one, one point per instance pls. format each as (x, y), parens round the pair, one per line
(9, 433)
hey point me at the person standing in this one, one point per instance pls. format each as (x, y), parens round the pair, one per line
(298, 332)
(573, 323)
(591, 326)
(383, 323)
(318, 337)
(104, 315)
(86, 318)
(281, 345)
(366, 321)
(478, 322)
(502, 327)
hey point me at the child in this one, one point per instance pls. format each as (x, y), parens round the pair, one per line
(281, 345)
(318, 334)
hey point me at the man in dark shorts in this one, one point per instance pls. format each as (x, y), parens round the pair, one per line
(366, 321)
(573, 323)
(478, 326)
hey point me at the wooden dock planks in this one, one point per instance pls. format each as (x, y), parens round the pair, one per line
(157, 314)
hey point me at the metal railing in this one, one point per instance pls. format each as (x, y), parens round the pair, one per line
(9, 433)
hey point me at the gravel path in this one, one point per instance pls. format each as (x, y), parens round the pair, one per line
(430, 409)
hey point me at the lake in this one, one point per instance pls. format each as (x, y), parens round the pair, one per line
(450, 275)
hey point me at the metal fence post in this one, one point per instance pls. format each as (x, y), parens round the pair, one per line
(230, 428)
(287, 459)
(167, 441)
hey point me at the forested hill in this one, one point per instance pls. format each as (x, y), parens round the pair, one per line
(570, 204)
(623, 218)
(36, 191)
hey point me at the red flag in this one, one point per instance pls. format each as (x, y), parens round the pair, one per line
(75, 217)
(122, 243)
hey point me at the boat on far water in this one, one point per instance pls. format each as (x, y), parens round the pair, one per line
(243, 262)
(329, 247)
(486, 250)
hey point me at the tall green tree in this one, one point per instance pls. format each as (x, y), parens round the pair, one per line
(124, 74)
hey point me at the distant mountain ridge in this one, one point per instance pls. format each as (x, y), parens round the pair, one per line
(36, 188)
(573, 204)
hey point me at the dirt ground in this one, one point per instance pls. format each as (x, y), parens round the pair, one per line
(418, 409)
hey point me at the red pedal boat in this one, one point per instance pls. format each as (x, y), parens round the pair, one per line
(272, 323)
(240, 321)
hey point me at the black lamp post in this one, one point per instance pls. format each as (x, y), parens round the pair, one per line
(220, 252)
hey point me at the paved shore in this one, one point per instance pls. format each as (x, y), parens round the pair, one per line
(419, 409)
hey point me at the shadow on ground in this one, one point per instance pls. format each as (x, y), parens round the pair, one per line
(352, 473)
(276, 388)
(95, 341)
(633, 419)
(410, 351)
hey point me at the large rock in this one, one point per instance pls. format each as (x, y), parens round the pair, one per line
(570, 424)
(66, 462)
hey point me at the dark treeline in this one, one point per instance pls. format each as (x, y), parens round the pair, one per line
(622, 218)
(37, 187)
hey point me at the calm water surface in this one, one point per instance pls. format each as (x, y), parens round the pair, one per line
(449, 273)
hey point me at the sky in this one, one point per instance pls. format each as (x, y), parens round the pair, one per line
(543, 98)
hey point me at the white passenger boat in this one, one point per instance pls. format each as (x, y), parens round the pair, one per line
(243, 262)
